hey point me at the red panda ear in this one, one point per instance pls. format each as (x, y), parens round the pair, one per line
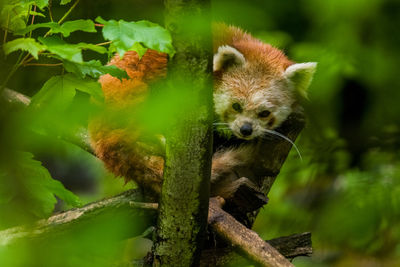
(301, 75)
(227, 57)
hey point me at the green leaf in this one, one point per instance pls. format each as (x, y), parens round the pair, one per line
(65, 29)
(51, 25)
(25, 44)
(90, 86)
(37, 14)
(59, 91)
(95, 48)
(70, 52)
(14, 13)
(95, 69)
(36, 186)
(62, 49)
(64, 2)
(138, 48)
(55, 92)
(77, 25)
(125, 35)
(60, 191)
(41, 3)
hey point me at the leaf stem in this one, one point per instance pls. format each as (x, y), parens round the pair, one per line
(105, 43)
(43, 64)
(64, 17)
(33, 20)
(6, 29)
(33, 16)
(68, 12)
(50, 12)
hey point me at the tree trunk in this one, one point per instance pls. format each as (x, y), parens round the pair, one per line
(184, 199)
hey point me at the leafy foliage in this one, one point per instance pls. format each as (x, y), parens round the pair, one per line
(14, 13)
(35, 185)
(59, 91)
(27, 191)
(24, 44)
(94, 69)
(64, 2)
(65, 29)
(128, 35)
(62, 49)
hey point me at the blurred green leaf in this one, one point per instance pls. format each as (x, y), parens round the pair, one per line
(59, 91)
(6, 192)
(96, 48)
(14, 13)
(125, 35)
(94, 68)
(65, 29)
(35, 13)
(37, 185)
(25, 44)
(39, 3)
(64, 2)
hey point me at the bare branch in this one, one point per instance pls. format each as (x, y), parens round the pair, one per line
(289, 246)
(245, 240)
(117, 206)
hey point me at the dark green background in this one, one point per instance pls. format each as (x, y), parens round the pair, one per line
(346, 191)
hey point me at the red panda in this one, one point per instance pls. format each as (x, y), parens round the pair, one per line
(255, 89)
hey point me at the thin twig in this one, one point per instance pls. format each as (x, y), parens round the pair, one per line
(6, 29)
(143, 205)
(68, 12)
(33, 16)
(65, 16)
(43, 64)
(50, 12)
(104, 43)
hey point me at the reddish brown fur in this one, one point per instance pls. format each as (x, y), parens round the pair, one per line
(116, 143)
(265, 63)
(267, 59)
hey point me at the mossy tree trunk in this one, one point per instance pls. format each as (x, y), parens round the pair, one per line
(184, 200)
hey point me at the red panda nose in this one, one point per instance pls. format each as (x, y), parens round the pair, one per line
(246, 129)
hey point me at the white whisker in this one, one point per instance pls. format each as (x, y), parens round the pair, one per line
(286, 138)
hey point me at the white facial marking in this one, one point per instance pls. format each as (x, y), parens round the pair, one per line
(222, 101)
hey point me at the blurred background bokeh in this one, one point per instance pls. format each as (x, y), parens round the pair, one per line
(346, 190)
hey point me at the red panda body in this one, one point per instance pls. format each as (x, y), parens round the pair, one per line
(254, 90)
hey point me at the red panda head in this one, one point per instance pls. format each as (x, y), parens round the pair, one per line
(256, 87)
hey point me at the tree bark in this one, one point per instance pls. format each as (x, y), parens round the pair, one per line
(183, 209)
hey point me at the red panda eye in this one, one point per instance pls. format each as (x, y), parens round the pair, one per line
(264, 113)
(237, 107)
